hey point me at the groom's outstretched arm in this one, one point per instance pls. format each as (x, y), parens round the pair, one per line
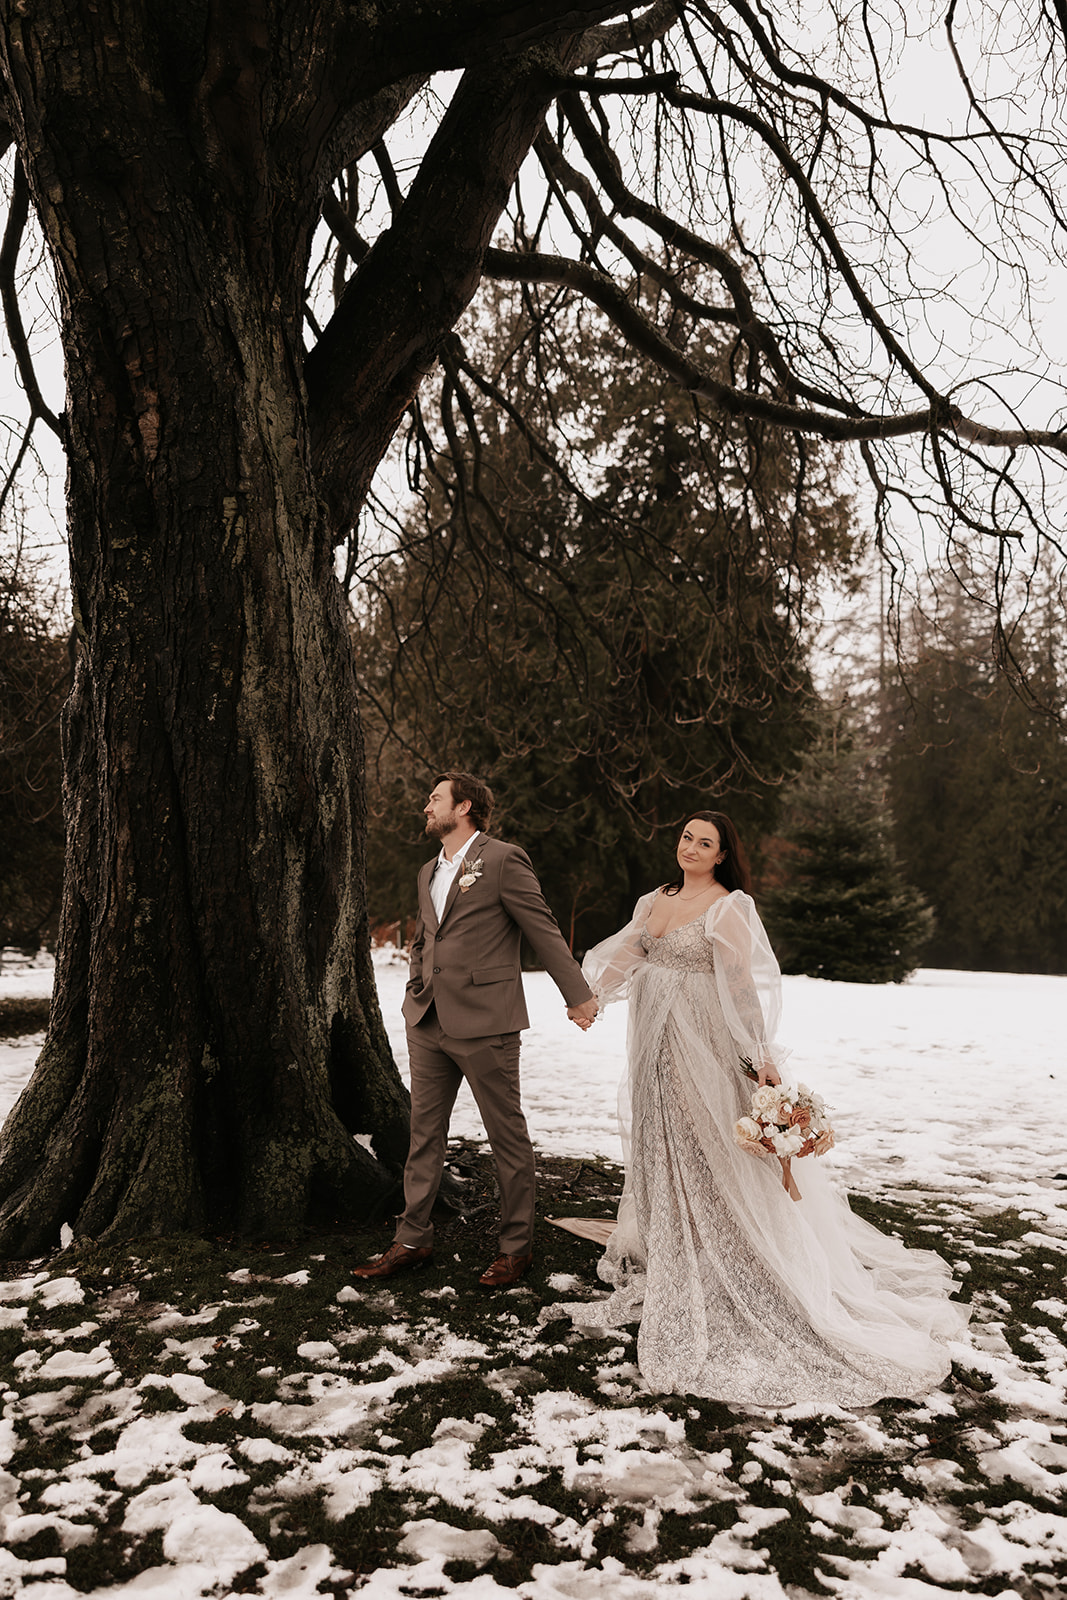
(525, 904)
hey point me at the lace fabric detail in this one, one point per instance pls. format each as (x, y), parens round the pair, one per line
(743, 1295)
(684, 949)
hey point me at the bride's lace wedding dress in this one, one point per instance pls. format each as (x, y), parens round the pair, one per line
(743, 1295)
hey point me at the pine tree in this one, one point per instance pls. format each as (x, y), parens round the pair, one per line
(844, 911)
(977, 778)
(34, 680)
(612, 659)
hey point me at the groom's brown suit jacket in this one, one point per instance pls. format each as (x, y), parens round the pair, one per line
(468, 964)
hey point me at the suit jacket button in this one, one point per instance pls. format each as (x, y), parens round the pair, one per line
(437, 969)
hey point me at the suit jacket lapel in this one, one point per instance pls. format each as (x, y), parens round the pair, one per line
(471, 855)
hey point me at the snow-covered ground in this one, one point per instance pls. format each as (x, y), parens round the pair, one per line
(955, 1081)
(26, 975)
(954, 1084)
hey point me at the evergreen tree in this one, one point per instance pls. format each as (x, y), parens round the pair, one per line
(34, 680)
(844, 909)
(977, 777)
(608, 659)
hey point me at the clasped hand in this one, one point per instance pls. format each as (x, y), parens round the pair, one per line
(585, 1014)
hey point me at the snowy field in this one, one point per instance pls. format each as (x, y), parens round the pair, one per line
(174, 1429)
(953, 1081)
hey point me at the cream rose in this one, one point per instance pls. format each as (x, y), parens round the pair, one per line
(786, 1144)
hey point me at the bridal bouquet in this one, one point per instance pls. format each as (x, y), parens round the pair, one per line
(785, 1122)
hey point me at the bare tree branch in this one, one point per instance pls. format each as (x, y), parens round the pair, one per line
(752, 327)
(637, 33)
(343, 228)
(389, 178)
(402, 303)
(645, 336)
(17, 216)
(1060, 8)
(416, 36)
(597, 155)
(16, 466)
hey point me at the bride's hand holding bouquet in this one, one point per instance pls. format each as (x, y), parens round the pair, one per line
(785, 1122)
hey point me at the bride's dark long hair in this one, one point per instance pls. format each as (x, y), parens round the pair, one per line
(733, 871)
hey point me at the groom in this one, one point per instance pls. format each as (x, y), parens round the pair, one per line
(464, 1008)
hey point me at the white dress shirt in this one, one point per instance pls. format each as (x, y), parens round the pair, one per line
(444, 874)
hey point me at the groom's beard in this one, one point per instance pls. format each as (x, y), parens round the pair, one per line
(442, 826)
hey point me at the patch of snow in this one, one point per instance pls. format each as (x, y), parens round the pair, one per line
(81, 1364)
(214, 1472)
(317, 1350)
(193, 1533)
(439, 1541)
(259, 1451)
(300, 1576)
(337, 1407)
(60, 1292)
(346, 1482)
(176, 1319)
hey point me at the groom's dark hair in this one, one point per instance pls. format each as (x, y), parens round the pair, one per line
(465, 786)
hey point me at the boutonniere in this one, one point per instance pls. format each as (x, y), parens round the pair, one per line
(472, 871)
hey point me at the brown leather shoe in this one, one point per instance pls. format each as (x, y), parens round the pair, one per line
(505, 1271)
(398, 1258)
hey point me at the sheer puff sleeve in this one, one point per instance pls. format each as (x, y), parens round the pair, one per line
(748, 977)
(610, 965)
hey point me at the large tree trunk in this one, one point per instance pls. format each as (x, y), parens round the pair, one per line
(215, 1049)
(215, 1044)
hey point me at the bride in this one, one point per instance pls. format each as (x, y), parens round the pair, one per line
(742, 1294)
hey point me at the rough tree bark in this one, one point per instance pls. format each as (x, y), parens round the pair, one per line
(215, 1042)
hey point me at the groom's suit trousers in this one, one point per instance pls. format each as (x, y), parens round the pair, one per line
(439, 1063)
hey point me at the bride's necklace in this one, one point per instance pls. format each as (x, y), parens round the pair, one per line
(698, 896)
